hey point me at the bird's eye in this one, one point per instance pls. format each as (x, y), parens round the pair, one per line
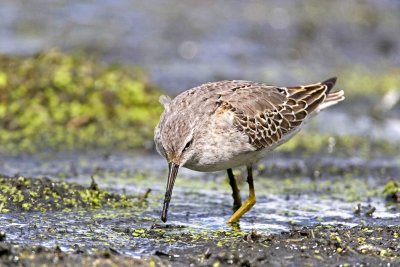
(187, 145)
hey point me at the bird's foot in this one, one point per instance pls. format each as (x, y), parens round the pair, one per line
(246, 206)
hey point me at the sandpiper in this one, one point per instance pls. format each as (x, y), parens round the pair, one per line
(221, 125)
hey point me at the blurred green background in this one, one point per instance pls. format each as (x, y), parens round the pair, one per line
(80, 74)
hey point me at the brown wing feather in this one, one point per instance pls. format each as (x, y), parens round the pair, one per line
(267, 113)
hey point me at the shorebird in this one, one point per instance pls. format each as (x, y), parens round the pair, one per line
(222, 125)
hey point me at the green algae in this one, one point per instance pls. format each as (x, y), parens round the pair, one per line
(360, 82)
(309, 143)
(43, 194)
(392, 191)
(341, 182)
(55, 100)
(347, 187)
(184, 235)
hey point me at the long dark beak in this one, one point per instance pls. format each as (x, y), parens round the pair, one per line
(173, 171)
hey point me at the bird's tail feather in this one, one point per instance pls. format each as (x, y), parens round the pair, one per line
(332, 99)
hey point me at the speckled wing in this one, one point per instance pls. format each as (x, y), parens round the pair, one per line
(268, 113)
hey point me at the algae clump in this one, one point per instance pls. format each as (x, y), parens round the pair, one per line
(392, 191)
(55, 100)
(43, 194)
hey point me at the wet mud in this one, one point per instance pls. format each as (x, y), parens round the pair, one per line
(309, 211)
(317, 246)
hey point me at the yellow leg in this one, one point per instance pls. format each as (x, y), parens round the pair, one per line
(250, 201)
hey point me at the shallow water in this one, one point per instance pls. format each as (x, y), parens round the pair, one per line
(201, 202)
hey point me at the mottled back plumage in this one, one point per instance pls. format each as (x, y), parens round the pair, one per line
(267, 113)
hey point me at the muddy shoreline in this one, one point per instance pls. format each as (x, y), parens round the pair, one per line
(321, 245)
(310, 212)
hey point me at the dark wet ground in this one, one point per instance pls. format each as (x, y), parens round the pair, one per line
(319, 246)
(296, 196)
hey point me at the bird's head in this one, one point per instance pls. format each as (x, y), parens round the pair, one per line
(175, 140)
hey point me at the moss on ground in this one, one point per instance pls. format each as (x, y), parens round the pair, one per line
(368, 83)
(55, 100)
(28, 194)
(392, 191)
(340, 145)
(183, 237)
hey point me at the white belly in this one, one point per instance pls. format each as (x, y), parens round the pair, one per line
(217, 159)
(236, 161)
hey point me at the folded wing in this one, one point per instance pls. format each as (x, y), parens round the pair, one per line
(268, 113)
